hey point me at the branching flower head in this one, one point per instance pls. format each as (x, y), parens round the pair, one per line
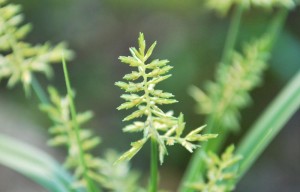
(220, 173)
(65, 134)
(224, 98)
(19, 59)
(141, 90)
(67, 130)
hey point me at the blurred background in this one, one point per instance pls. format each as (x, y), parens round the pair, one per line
(190, 37)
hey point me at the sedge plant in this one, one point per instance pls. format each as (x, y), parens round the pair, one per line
(210, 170)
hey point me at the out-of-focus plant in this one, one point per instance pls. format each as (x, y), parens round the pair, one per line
(19, 59)
(230, 93)
(79, 141)
(67, 130)
(220, 177)
(236, 76)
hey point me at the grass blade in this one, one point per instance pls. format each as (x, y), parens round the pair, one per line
(269, 124)
(34, 164)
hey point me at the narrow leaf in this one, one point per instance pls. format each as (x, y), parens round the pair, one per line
(269, 124)
(35, 165)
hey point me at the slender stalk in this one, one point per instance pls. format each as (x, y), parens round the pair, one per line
(89, 183)
(39, 91)
(269, 124)
(154, 166)
(154, 150)
(232, 33)
(217, 144)
(277, 25)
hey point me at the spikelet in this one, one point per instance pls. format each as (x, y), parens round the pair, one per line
(142, 95)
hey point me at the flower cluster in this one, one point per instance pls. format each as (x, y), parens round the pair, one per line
(19, 59)
(116, 178)
(64, 134)
(230, 93)
(220, 172)
(164, 128)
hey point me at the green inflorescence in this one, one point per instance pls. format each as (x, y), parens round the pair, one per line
(116, 178)
(230, 93)
(19, 59)
(163, 127)
(64, 133)
(220, 175)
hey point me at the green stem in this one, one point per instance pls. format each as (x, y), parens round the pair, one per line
(217, 144)
(232, 33)
(38, 90)
(89, 183)
(154, 166)
(276, 26)
(154, 150)
(269, 124)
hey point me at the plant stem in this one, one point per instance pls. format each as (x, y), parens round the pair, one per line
(232, 33)
(276, 26)
(154, 150)
(269, 124)
(38, 90)
(89, 183)
(154, 166)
